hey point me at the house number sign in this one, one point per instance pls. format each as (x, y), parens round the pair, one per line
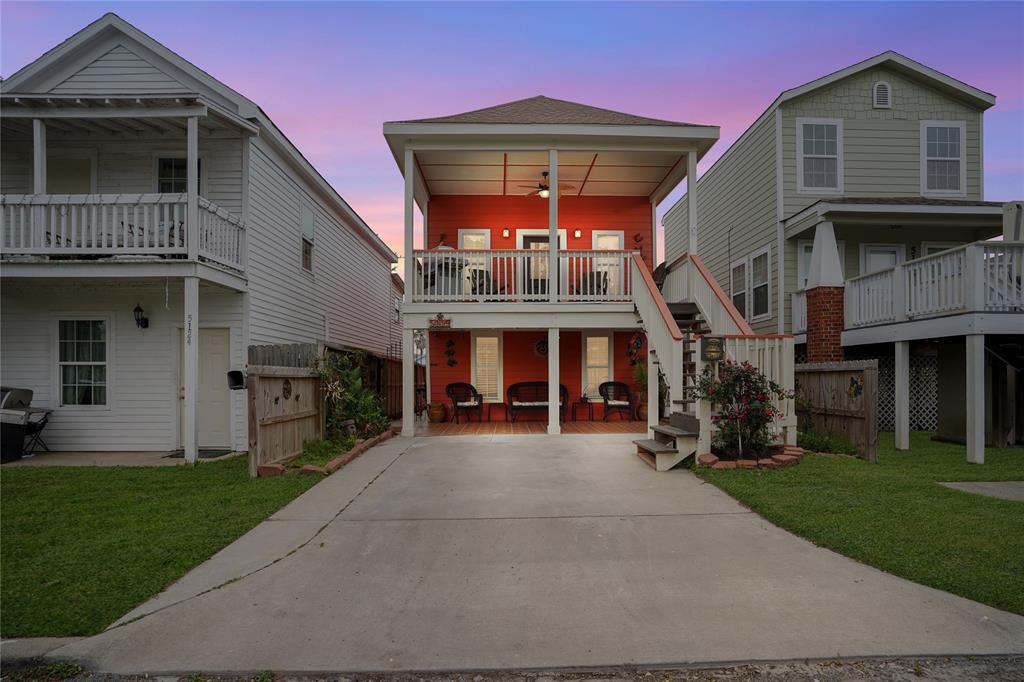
(440, 322)
(712, 348)
(188, 330)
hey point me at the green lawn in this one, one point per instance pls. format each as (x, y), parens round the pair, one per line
(81, 546)
(893, 515)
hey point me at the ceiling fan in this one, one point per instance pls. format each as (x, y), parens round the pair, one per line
(543, 190)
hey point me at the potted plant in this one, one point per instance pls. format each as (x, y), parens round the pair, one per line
(437, 412)
(640, 380)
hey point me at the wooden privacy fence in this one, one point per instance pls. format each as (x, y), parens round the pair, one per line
(843, 401)
(286, 409)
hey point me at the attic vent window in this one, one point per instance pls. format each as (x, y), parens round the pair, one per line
(881, 95)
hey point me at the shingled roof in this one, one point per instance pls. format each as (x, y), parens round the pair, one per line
(546, 110)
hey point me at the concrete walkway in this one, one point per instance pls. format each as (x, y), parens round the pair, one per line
(1003, 490)
(528, 552)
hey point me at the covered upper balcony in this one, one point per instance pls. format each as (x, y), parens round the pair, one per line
(104, 180)
(535, 202)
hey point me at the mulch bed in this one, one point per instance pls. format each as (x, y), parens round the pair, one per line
(361, 446)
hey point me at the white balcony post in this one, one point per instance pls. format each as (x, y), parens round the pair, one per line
(974, 296)
(691, 202)
(975, 407)
(902, 394)
(900, 305)
(654, 234)
(554, 411)
(38, 178)
(409, 168)
(408, 383)
(553, 225)
(653, 366)
(190, 338)
(192, 184)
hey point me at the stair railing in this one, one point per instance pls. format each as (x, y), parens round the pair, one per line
(688, 279)
(664, 337)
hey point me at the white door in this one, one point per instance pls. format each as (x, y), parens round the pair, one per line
(875, 257)
(213, 398)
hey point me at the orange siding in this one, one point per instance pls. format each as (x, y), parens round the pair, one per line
(448, 214)
(522, 362)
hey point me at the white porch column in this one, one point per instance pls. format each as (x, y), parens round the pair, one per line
(408, 384)
(192, 184)
(553, 226)
(190, 427)
(654, 234)
(554, 423)
(409, 169)
(691, 203)
(38, 156)
(38, 179)
(975, 408)
(426, 210)
(902, 395)
(653, 418)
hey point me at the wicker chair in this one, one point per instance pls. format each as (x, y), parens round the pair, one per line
(617, 398)
(465, 400)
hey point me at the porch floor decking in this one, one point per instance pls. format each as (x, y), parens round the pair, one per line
(487, 428)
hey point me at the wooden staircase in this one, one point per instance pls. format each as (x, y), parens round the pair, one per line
(672, 444)
(690, 322)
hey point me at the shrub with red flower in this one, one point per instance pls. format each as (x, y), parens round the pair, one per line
(743, 400)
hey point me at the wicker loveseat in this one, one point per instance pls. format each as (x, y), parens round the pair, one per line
(533, 396)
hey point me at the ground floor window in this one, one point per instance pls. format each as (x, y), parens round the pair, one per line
(487, 375)
(82, 361)
(597, 363)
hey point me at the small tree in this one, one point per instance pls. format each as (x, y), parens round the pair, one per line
(743, 397)
(347, 398)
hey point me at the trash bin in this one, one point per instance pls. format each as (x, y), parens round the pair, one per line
(12, 434)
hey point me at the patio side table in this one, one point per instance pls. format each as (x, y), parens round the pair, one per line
(490, 410)
(589, 404)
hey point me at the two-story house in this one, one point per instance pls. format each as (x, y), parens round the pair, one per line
(534, 284)
(851, 214)
(155, 225)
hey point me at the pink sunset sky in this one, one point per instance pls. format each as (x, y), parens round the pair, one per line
(330, 73)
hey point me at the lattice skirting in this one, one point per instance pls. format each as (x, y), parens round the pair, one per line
(924, 389)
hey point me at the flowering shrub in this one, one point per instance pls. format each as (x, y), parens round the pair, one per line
(743, 398)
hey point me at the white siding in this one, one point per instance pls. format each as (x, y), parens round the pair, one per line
(347, 298)
(142, 414)
(735, 211)
(119, 71)
(128, 165)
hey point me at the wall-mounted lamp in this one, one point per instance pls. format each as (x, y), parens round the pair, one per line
(141, 321)
(505, 233)
(577, 233)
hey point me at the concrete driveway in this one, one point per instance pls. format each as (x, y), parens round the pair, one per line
(528, 552)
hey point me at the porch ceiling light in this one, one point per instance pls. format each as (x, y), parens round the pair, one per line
(544, 193)
(141, 321)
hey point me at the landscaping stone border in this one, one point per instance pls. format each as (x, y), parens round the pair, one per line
(361, 446)
(782, 456)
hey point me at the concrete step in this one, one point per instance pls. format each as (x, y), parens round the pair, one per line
(673, 432)
(654, 447)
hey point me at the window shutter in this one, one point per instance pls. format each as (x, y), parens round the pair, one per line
(882, 97)
(308, 223)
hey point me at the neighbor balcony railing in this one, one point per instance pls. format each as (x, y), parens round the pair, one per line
(117, 224)
(518, 275)
(977, 277)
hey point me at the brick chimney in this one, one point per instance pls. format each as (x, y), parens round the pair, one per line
(825, 287)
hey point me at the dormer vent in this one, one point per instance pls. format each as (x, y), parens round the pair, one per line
(881, 95)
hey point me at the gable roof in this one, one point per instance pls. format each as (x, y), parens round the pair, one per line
(35, 76)
(891, 59)
(543, 110)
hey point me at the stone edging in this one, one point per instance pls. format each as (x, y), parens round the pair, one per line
(787, 455)
(361, 446)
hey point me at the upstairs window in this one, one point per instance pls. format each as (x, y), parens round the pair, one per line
(750, 282)
(881, 95)
(819, 156)
(172, 175)
(738, 285)
(943, 170)
(308, 233)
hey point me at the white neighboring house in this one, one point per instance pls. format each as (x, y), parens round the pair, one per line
(136, 185)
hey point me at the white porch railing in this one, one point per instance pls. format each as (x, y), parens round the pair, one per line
(983, 276)
(116, 224)
(869, 299)
(518, 275)
(688, 279)
(799, 311)
(221, 235)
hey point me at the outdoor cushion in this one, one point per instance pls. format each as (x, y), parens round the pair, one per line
(529, 403)
(467, 403)
(617, 402)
